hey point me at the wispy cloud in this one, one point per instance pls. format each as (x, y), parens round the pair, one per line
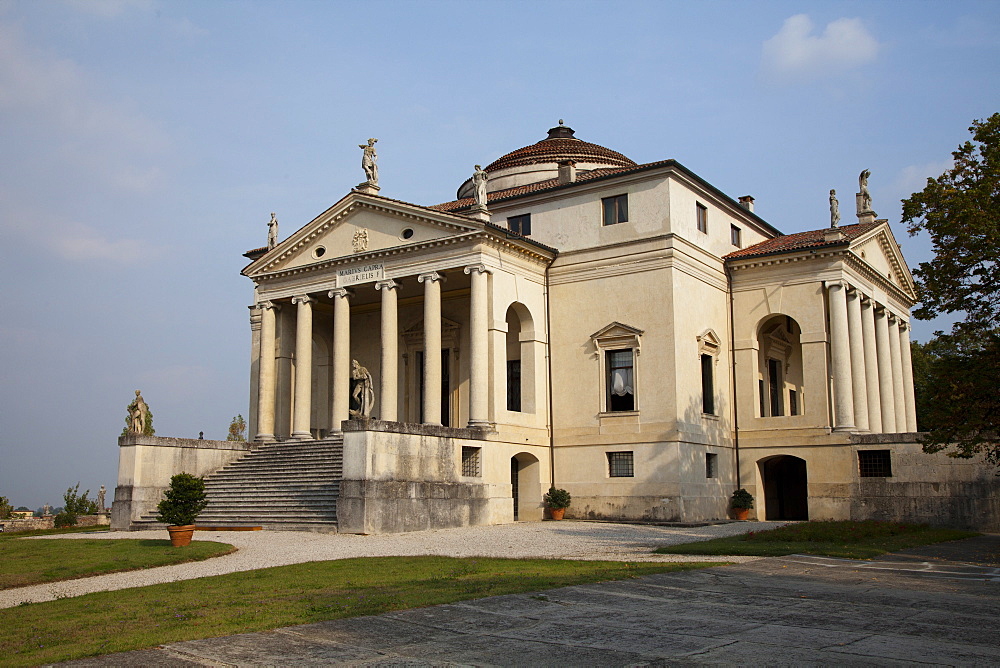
(109, 9)
(913, 178)
(796, 54)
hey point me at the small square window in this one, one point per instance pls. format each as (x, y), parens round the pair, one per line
(711, 465)
(702, 212)
(620, 465)
(874, 464)
(520, 224)
(734, 236)
(615, 209)
(471, 462)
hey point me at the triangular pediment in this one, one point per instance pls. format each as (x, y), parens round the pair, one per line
(615, 330)
(880, 252)
(359, 224)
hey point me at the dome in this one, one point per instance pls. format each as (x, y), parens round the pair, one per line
(540, 161)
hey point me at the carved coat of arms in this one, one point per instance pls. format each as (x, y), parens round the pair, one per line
(361, 240)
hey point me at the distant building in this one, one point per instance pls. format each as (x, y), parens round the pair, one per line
(625, 331)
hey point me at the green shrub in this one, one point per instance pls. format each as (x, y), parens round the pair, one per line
(182, 501)
(74, 504)
(742, 499)
(65, 519)
(557, 498)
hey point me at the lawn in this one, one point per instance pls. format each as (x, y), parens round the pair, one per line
(851, 540)
(29, 562)
(270, 598)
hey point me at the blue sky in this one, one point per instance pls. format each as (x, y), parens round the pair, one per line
(145, 143)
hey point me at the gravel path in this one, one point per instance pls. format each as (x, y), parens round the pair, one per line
(261, 549)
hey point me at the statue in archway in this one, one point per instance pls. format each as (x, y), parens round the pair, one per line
(362, 392)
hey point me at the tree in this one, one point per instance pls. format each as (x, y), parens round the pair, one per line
(5, 508)
(960, 211)
(74, 504)
(237, 429)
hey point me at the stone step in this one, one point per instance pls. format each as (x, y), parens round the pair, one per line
(288, 482)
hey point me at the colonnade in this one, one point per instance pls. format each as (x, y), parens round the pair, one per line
(870, 359)
(389, 372)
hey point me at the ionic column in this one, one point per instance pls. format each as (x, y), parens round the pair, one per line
(843, 391)
(479, 339)
(389, 377)
(858, 377)
(885, 372)
(908, 398)
(303, 368)
(871, 366)
(432, 346)
(899, 403)
(267, 377)
(341, 357)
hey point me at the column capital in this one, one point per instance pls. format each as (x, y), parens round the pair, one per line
(431, 276)
(481, 268)
(830, 285)
(387, 284)
(340, 292)
(268, 305)
(303, 299)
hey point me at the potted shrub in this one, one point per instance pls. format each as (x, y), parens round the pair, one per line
(741, 504)
(557, 501)
(181, 503)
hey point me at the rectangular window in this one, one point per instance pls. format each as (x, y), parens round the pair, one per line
(776, 384)
(471, 462)
(520, 224)
(734, 236)
(620, 381)
(514, 385)
(793, 402)
(761, 395)
(620, 465)
(615, 209)
(707, 385)
(874, 464)
(711, 465)
(702, 213)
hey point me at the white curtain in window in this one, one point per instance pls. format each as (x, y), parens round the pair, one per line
(621, 382)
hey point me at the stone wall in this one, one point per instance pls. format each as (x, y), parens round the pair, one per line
(30, 524)
(146, 464)
(407, 477)
(927, 488)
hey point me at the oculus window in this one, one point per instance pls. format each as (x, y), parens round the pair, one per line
(620, 465)
(520, 224)
(615, 209)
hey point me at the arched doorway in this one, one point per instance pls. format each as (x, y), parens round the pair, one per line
(786, 495)
(525, 487)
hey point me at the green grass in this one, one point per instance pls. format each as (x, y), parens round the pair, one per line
(144, 617)
(29, 562)
(9, 535)
(851, 540)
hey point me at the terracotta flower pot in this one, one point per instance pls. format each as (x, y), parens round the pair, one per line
(740, 513)
(181, 536)
(557, 513)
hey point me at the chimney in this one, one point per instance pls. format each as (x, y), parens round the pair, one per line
(567, 172)
(747, 202)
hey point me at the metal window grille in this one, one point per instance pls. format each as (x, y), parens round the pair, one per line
(875, 463)
(620, 465)
(471, 462)
(711, 465)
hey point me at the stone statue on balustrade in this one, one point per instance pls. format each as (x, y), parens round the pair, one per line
(369, 161)
(139, 414)
(362, 392)
(834, 209)
(864, 195)
(479, 178)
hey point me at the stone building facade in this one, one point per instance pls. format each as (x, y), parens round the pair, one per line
(625, 331)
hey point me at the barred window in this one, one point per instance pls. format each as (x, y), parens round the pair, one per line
(874, 463)
(711, 465)
(620, 465)
(471, 462)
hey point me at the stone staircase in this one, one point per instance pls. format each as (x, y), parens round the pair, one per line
(291, 486)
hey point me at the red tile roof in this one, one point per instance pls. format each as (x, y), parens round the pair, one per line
(787, 243)
(558, 150)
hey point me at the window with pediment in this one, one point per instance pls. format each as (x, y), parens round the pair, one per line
(617, 347)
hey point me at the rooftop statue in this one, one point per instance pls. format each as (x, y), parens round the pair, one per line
(369, 160)
(834, 209)
(479, 178)
(139, 414)
(865, 199)
(272, 232)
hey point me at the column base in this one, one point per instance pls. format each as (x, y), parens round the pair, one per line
(480, 424)
(301, 436)
(265, 438)
(850, 428)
